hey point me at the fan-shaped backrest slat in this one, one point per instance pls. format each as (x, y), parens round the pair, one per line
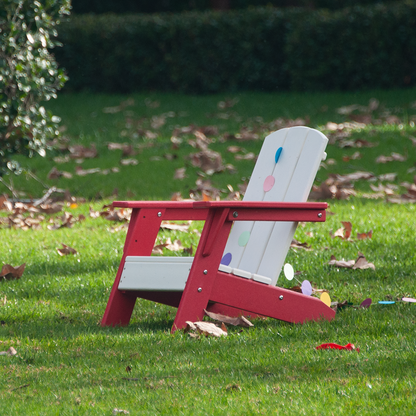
(284, 172)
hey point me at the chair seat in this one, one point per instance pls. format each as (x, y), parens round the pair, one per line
(167, 274)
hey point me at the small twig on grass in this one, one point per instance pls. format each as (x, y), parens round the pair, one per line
(20, 387)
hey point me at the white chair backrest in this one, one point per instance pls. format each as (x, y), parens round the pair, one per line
(285, 171)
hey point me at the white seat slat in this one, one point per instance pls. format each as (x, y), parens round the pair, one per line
(155, 273)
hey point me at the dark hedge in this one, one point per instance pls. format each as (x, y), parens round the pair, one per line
(256, 49)
(177, 6)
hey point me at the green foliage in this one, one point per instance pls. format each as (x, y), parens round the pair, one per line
(255, 49)
(355, 49)
(177, 6)
(191, 52)
(28, 75)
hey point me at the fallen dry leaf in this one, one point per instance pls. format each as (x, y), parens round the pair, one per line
(65, 250)
(120, 411)
(83, 172)
(247, 156)
(117, 109)
(344, 232)
(174, 226)
(118, 215)
(54, 173)
(297, 244)
(81, 152)
(362, 263)
(363, 236)
(208, 161)
(394, 157)
(341, 263)
(235, 321)
(11, 351)
(354, 156)
(129, 162)
(235, 149)
(344, 143)
(204, 328)
(180, 173)
(67, 221)
(9, 272)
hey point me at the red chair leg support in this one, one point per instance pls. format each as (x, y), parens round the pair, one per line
(120, 305)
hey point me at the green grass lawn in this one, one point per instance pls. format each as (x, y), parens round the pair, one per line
(66, 363)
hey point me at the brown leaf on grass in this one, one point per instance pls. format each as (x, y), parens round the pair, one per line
(94, 214)
(295, 289)
(280, 123)
(166, 225)
(158, 249)
(222, 105)
(354, 176)
(54, 173)
(297, 244)
(50, 208)
(247, 156)
(119, 215)
(356, 143)
(180, 173)
(394, 157)
(354, 156)
(5, 203)
(65, 250)
(84, 172)
(82, 152)
(246, 134)
(388, 177)
(208, 161)
(364, 236)
(9, 272)
(362, 263)
(67, 221)
(11, 352)
(176, 245)
(204, 328)
(120, 107)
(172, 246)
(341, 263)
(129, 162)
(362, 118)
(61, 159)
(235, 321)
(235, 149)
(127, 149)
(344, 232)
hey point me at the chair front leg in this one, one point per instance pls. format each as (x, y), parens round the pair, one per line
(204, 269)
(141, 236)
